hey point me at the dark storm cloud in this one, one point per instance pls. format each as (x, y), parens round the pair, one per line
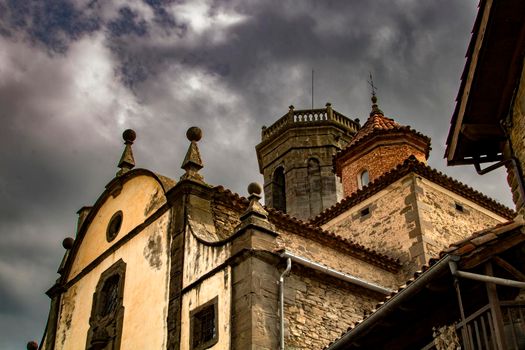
(74, 74)
(51, 23)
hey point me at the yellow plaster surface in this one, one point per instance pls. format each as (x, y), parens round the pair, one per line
(217, 285)
(145, 293)
(138, 199)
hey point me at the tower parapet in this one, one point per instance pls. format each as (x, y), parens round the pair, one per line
(295, 157)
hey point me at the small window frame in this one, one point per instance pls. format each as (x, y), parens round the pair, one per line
(100, 320)
(360, 182)
(459, 207)
(114, 226)
(213, 303)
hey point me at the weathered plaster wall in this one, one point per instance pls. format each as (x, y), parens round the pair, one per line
(335, 259)
(517, 139)
(318, 309)
(145, 293)
(138, 199)
(377, 161)
(441, 223)
(218, 285)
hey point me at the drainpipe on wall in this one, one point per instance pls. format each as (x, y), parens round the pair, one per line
(337, 274)
(281, 300)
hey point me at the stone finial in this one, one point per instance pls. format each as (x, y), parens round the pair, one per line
(375, 108)
(255, 214)
(329, 110)
(291, 110)
(192, 162)
(127, 162)
(68, 242)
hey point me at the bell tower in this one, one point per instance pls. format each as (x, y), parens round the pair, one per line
(295, 158)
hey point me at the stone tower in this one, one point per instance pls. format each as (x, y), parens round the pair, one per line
(378, 147)
(295, 158)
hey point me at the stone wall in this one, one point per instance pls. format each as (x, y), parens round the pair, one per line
(376, 161)
(331, 257)
(412, 220)
(292, 149)
(318, 308)
(382, 222)
(255, 301)
(446, 217)
(517, 139)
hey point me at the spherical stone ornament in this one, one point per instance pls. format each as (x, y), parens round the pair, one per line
(68, 242)
(32, 345)
(129, 135)
(194, 133)
(254, 188)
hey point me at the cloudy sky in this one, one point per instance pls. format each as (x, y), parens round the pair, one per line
(74, 74)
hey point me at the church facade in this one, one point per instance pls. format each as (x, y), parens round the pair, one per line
(352, 211)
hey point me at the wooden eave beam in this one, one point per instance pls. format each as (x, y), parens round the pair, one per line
(517, 274)
(488, 252)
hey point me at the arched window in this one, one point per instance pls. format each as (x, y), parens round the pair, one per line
(315, 186)
(363, 179)
(107, 311)
(279, 190)
(109, 296)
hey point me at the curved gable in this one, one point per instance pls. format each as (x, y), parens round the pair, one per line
(137, 195)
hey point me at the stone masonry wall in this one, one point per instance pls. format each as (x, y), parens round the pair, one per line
(335, 259)
(292, 149)
(377, 161)
(386, 222)
(319, 309)
(517, 139)
(446, 217)
(413, 219)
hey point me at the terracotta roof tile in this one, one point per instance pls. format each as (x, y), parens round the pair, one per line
(480, 240)
(465, 248)
(314, 232)
(375, 123)
(289, 223)
(411, 164)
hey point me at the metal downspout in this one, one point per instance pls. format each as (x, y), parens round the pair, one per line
(337, 274)
(483, 278)
(281, 300)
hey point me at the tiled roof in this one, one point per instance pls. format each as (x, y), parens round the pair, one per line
(314, 232)
(374, 123)
(465, 247)
(291, 224)
(378, 124)
(411, 164)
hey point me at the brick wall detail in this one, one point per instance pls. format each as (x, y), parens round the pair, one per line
(377, 162)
